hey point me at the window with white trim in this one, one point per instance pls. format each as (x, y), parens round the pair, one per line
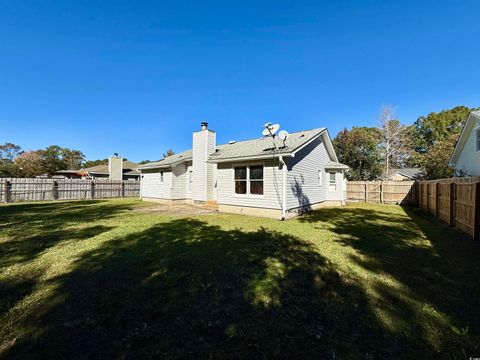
(332, 181)
(319, 177)
(190, 179)
(477, 138)
(256, 180)
(241, 180)
(248, 180)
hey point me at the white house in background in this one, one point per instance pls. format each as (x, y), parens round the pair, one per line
(262, 177)
(466, 156)
(405, 174)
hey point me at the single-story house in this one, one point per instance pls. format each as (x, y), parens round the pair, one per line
(264, 177)
(466, 155)
(116, 169)
(405, 174)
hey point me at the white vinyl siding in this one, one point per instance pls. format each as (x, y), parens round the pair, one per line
(272, 186)
(203, 172)
(179, 182)
(469, 158)
(303, 187)
(153, 188)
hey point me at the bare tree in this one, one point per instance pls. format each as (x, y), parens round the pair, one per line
(393, 138)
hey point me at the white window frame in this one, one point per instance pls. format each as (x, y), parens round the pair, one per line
(332, 185)
(248, 194)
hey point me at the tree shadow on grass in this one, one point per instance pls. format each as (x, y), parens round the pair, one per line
(31, 229)
(432, 264)
(31, 218)
(186, 289)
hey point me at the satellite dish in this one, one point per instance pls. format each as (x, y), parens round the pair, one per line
(270, 130)
(283, 135)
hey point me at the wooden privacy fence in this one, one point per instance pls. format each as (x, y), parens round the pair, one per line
(455, 201)
(385, 192)
(26, 189)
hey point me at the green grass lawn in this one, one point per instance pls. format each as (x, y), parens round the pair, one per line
(95, 279)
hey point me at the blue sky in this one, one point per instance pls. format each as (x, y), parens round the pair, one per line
(138, 77)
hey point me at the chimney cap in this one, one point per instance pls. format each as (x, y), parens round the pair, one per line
(204, 125)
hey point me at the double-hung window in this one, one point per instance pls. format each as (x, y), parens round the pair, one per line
(241, 180)
(248, 180)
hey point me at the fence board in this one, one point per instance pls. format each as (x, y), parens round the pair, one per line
(387, 192)
(455, 201)
(32, 189)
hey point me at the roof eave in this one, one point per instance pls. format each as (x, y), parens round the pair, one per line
(249, 158)
(460, 141)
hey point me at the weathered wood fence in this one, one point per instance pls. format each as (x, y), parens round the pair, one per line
(385, 192)
(32, 189)
(455, 201)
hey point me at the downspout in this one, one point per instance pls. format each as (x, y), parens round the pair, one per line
(284, 186)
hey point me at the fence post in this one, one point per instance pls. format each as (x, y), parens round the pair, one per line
(122, 193)
(54, 190)
(476, 210)
(7, 191)
(381, 193)
(451, 213)
(92, 190)
(366, 191)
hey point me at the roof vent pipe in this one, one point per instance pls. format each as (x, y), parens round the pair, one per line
(204, 125)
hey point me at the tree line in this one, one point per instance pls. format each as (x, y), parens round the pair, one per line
(427, 144)
(15, 162)
(369, 151)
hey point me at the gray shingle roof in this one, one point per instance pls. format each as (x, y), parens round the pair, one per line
(264, 146)
(414, 173)
(103, 169)
(169, 160)
(246, 149)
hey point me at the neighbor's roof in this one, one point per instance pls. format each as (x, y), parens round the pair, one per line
(412, 173)
(103, 169)
(249, 149)
(472, 119)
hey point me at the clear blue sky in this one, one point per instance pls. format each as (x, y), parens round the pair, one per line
(137, 77)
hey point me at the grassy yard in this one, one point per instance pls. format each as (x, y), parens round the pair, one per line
(97, 279)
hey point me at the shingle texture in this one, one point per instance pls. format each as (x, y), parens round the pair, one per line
(247, 148)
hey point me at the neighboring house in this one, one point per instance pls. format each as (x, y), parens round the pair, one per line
(116, 169)
(466, 156)
(406, 174)
(263, 177)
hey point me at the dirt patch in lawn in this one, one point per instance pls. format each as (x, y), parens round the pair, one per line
(175, 210)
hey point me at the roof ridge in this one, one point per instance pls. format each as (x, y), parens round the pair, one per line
(264, 137)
